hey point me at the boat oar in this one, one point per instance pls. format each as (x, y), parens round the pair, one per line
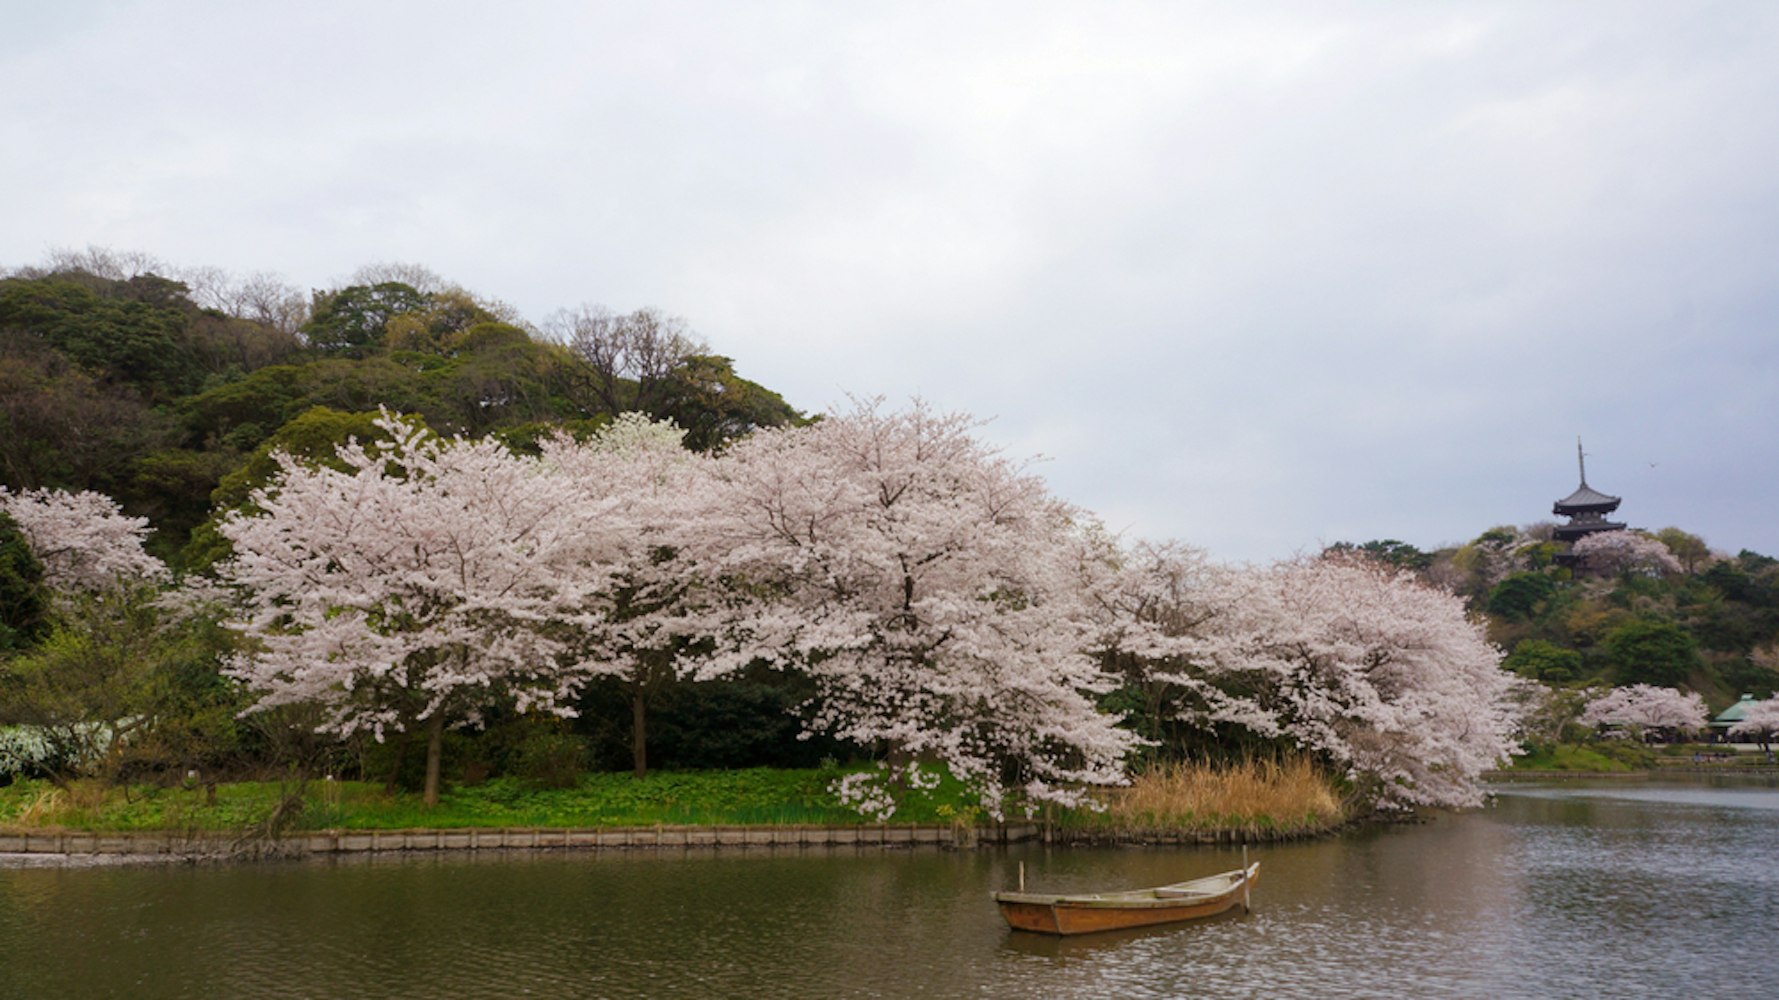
(1246, 907)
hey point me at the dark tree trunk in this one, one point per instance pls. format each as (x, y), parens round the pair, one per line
(435, 752)
(401, 758)
(639, 731)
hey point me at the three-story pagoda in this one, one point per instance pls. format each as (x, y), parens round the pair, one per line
(1586, 508)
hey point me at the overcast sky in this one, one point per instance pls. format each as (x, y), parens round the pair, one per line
(1258, 278)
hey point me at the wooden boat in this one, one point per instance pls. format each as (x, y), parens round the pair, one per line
(1105, 911)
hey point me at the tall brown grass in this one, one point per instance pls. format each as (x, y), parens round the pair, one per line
(1259, 797)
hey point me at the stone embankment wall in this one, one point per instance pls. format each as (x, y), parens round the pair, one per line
(611, 838)
(355, 842)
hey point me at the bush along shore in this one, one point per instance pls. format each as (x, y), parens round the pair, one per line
(754, 807)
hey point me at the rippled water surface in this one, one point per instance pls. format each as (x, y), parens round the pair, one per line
(1574, 890)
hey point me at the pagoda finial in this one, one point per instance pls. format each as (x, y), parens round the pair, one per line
(1581, 459)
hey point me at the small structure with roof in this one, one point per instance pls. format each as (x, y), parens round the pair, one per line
(1721, 723)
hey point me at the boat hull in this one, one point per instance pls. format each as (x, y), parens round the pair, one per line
(1066, 915)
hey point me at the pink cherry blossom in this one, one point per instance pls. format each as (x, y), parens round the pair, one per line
(1761, 720)
(83, 539)
(1625, 552)
(1367, 668)
(928, 586)
(1646, 705)
(644, 606)
(417, 586)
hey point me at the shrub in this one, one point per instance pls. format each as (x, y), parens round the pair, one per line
(1652, 652)
(1544, 661)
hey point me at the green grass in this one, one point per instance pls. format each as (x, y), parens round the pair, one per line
(1574, 757)
(756, 796)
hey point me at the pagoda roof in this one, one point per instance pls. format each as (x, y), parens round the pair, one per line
(1587, 496)
(1580, 529)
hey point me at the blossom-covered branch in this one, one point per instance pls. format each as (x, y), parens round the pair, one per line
(1647, 706)
(84, 541)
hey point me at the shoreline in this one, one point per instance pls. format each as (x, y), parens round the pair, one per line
(27, 848)
(224, 845)
(1645, 772)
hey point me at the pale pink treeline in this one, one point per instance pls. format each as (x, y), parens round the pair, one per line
(943, 607)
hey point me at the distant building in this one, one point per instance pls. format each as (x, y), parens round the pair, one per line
(1586, 508)
(1720, 726)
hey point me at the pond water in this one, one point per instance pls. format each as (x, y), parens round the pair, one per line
(1628, 888)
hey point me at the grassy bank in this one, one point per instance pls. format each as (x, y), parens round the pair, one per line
(1622, 757)
(755, 796)
(1571, 757)
(1259, 799)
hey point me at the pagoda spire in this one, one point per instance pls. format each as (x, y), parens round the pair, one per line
(1587, 507)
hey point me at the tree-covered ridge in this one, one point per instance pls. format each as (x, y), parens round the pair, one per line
(156, 385)
(1657, 608)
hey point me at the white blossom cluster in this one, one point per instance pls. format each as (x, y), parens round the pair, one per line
(931, 590)
(1761, 720)
(1625, 552)
(1356, 663)
(866, 793)
(84, 541)
(1646, 706)
(27, 749)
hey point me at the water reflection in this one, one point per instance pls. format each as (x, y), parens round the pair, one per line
(1573, 890)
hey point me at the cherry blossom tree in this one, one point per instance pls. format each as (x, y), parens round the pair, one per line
(1149, 599)
(1544, 711)
(1625, 552)
(414, 588)
(929, 589)
(642, 620)
(1761, 722)
(122, 677)
(84, 541)
(1367, 668)
(1645, 706)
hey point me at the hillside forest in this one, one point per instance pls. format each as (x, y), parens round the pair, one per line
(1660, 608)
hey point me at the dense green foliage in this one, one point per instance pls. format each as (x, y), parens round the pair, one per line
(122, 384)
(1652, 652)
(24, 603)
(1711, 627)
(131, 332)
(1544, 661)
(1602, 757)
(1519, 596)
(127, 687)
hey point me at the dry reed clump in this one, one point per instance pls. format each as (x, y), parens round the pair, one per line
(39, 809)
(1279, 797)
(75, 803)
